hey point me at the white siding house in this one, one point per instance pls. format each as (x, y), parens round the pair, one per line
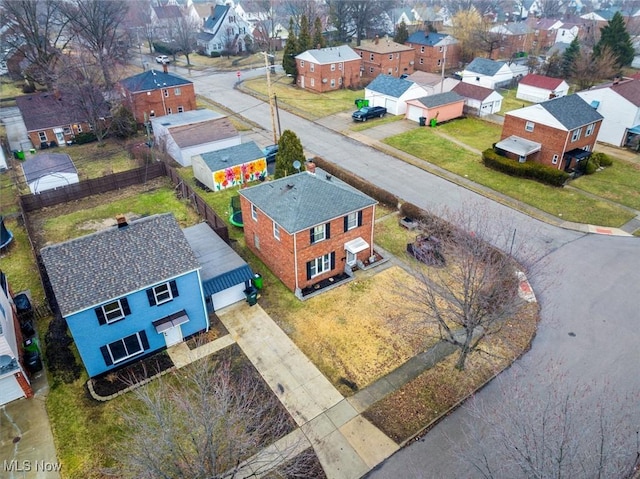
(539, 88)
(392, 93)
(487, 73)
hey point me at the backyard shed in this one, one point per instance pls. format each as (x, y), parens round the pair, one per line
(479, 100)
(539, 88)
(392, 93)
(231, 166)
(48, 171)
(224, 274)
(441, 107)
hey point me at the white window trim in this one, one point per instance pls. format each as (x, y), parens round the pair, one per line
(590, 129)
(42, 135)
(177, 91)
(108, 314)
(352, 220)
(312, 67)
(115, 361)
(333, 67)
(320, 265)
(276, 231)
(576, 135)
(166, 92)
(529, 126)
(554, 160)
(319, 235)
(158, 291)
(254, 212)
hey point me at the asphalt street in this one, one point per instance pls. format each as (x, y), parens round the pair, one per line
(587, 284)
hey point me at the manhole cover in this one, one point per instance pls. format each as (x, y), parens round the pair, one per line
(16, 439)
(572, 334)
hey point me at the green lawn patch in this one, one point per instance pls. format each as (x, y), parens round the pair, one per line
(567, 204)
(8, 193)
(94, 160)
(619, 183)
(472, 131)
(510, 102)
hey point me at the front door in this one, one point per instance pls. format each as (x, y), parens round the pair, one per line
(173, 336)
(351, 259)
(59, 136)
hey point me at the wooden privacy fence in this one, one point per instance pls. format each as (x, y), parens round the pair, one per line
(125, 179)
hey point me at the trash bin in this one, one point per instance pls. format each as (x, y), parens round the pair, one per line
(422, 120)
(257, 280)
(31, 345)
(433, 122)
(360, 102)
(252, 295)
(20, 155)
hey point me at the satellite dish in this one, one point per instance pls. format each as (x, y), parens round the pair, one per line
(296, 165)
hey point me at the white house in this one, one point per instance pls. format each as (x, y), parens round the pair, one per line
(14, 383)
(487, 73)
(567, 32)
(48, 171)
(184, 135)
(539, 88)
(223, 30)
(619, 104)
(432, 82)
(392, 93)
(479, 100)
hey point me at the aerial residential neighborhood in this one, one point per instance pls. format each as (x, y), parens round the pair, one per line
(319, 239)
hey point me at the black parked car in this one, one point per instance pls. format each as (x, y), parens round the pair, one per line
(367, 112)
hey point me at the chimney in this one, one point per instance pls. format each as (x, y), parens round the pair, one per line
(213, 7)
(122, 221)
(311, 167)
(376, 40)
(164, 68)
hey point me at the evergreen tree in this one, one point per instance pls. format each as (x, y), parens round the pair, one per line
(289, 150)
(615, 36)
(553, 67)
(290, 52)
(304, 38)
(318, 38)
(569, 58)
(402, 33)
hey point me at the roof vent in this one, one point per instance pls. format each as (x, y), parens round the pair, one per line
(289, 186)
(328, 177)
(122, 221)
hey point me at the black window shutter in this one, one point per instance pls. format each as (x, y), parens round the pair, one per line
(144, 340)
(100, 315)
(333, 260)
(174, 289)
(151, 297)
(308, 269)
(105, 354)
(312, 237)
(125, 306)
(360, 218)
(346, 223)
(327, 230)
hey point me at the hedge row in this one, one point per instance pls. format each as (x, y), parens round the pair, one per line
(530, 170)
(379, 194)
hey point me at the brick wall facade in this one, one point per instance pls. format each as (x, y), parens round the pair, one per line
(429, 58)
(553, 141)
(312, 76)
(160, 102)
(47, 135)
(280, 255)
(387, 63)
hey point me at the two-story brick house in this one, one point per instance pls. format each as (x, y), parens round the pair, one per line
(127, 291)
(328, 69)
(434, 50)
(157, 93)
(384, 56)
(308, 227)
(557, 133)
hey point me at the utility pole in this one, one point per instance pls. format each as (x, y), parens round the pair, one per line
(273, 115)
(444, 62)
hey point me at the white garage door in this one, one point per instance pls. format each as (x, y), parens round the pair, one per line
(228, 296)
(391, 105)
(413, 113)
(10, 390)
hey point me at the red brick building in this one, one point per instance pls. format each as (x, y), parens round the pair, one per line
(557, 133)
(157, 93)
(328, 69)
(433, 50)
(308, 227)
(384, 56)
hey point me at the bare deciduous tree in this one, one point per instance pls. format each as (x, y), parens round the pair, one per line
(472, 297)
(532, 431)
(208, 421)
(588, 69)
(185, 30)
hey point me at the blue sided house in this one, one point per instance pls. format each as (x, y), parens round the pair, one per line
(127, 291)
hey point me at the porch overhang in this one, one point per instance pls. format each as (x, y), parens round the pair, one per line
(356, 245)
(519, 146)
(578, 153)
(635, 130)
(171, 321)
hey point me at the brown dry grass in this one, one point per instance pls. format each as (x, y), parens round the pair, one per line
(351, 331)
(431, 395)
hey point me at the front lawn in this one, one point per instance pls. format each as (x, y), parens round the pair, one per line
(472, 131)
(304, 102)
(619, 182)
(563, 203)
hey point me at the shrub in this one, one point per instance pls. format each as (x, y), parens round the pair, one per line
(591, 166)
(85, 137)
(603, 159)
(530, 170)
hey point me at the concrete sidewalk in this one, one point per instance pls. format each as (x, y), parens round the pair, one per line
(347, 445)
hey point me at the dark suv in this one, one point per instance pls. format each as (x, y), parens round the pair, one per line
(366, 112)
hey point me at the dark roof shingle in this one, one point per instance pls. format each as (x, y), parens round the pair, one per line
(44, 164)
(572, 111)
(152, 80)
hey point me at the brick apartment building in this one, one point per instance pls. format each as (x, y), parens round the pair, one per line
(432, 50)
(384, 56)
(328, 69)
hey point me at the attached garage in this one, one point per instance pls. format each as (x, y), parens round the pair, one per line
(224, 274)
(10, 389)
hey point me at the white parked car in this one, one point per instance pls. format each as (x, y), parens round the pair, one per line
(162, 59)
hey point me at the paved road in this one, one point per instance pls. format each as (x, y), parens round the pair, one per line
(587, 285)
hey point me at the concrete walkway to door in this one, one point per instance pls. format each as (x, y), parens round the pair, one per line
(347, 445)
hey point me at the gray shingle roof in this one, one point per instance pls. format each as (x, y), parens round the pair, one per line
(388, 85)
(49, 110)
(440, 99)
(152, 80)
(44, 164)
(484, 66)
(232, 156)
(429, 39)
(303, 200)
(572, 111)
(112, 263)
(323, 56)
